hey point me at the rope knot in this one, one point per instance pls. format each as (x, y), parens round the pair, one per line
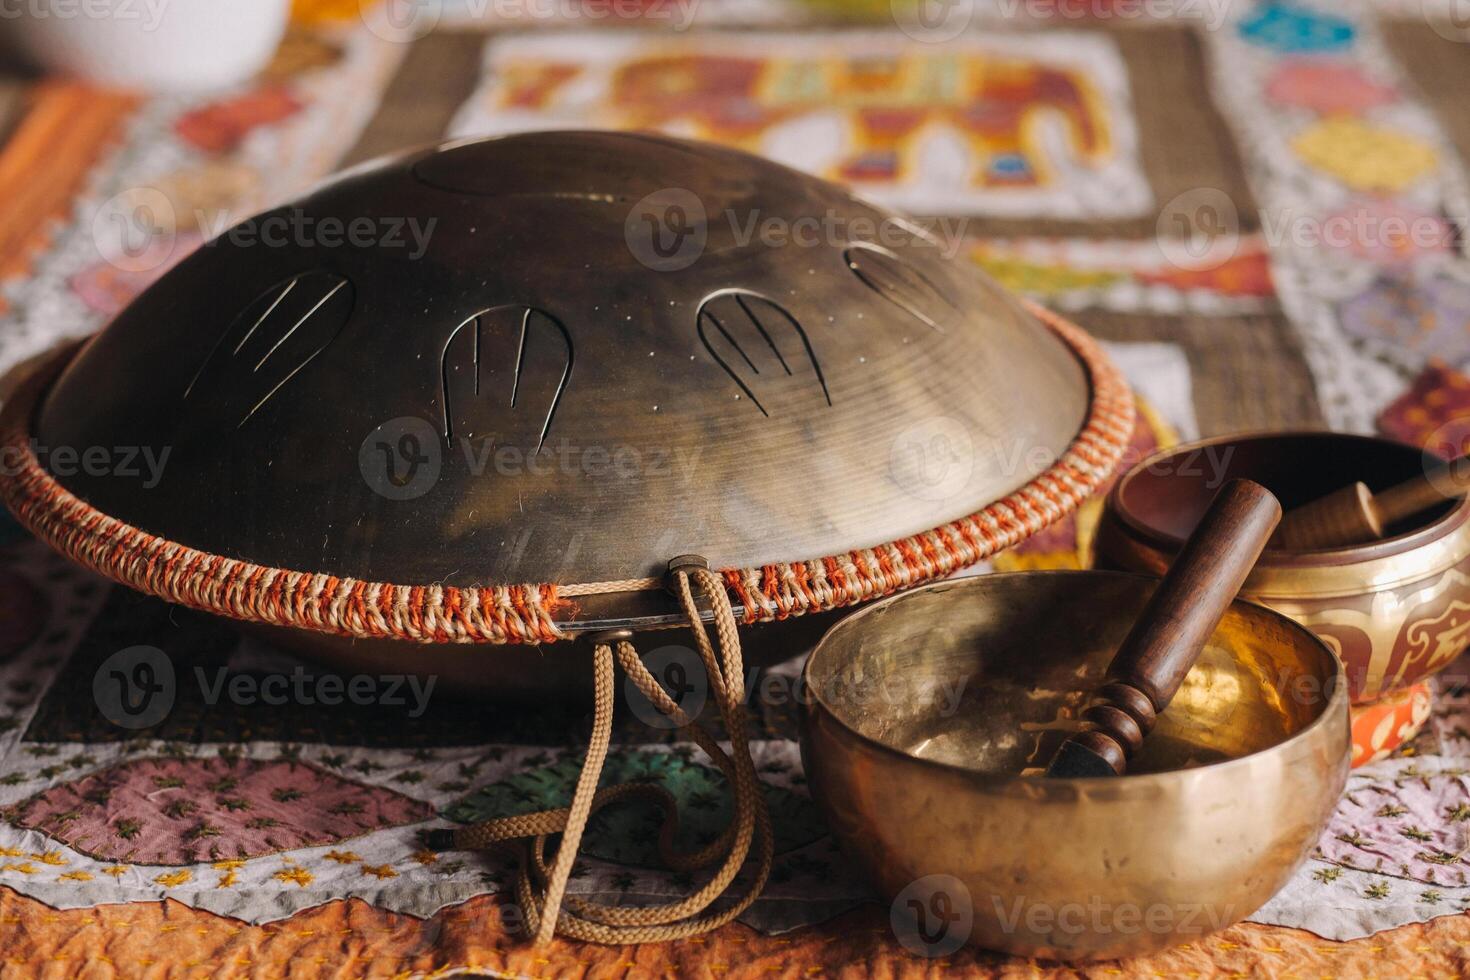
(541, 888)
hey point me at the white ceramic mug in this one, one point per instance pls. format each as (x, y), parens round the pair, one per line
(147, 44)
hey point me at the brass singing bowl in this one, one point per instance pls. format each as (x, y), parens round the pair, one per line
(1395, 611)
(926, 708)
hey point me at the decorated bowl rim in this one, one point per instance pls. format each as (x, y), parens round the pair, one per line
(1390, 547)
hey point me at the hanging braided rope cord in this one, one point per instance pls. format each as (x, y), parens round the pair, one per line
(541, 889)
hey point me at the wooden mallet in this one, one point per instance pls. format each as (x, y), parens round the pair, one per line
(1174, 627)
(1357, 515)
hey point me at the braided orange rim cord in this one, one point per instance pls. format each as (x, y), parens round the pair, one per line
(526, 613)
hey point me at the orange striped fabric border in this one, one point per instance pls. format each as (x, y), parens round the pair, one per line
(66, 129)
(350, 936)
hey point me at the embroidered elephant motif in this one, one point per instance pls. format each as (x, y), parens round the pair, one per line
(889, 102)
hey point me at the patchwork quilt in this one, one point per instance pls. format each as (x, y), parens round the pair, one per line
(1258, 206)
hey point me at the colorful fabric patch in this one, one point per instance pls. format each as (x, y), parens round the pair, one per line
(1381, 727)
(328, 11)
(183, 811)
(1245, 274)
(1040, 279)
(1289, 28)
(1233, 275)
(1327, 87)
(1414, 823)
(1385, 232)
(1363, 156)
(1428, 314)
(1434, 413)
(222, 126)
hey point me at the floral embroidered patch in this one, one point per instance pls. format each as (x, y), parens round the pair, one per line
(1414, 824)
(1428, 314)
(184, 811)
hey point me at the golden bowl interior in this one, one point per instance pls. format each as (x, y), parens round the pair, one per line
(995, 681)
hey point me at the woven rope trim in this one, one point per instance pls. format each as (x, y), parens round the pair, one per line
(526, 613)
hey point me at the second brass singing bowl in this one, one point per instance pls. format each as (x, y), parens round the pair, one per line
(927, 707)
(1395, 611)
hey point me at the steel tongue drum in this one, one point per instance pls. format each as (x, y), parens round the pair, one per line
(594, 354)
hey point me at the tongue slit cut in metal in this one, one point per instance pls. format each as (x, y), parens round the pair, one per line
(275, 300)
(906, 287)
(748, 302)
(480, 322)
